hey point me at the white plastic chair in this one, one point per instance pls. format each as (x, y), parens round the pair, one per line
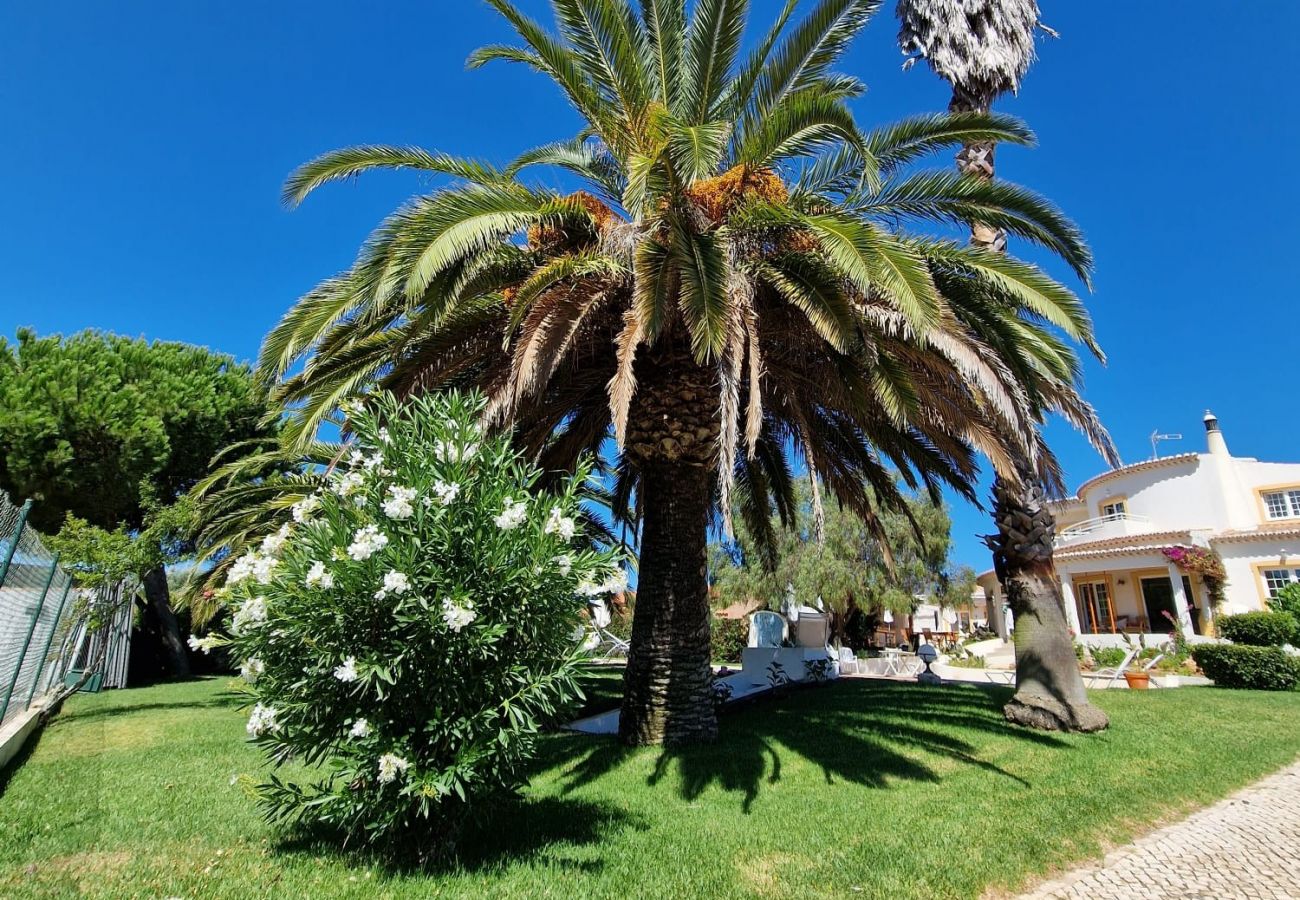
(848, 662)
(1151, 664)
(1116, 672)
(610, 643)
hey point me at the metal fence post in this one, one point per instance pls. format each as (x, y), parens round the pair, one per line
(27, 642)
(13, 544)
(49, 641)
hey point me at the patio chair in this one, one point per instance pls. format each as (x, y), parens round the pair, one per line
(1151, 664)
(848, 661)
(610, 643)
(766, 629)
(1114, 673)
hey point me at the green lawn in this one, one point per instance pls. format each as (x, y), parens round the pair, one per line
(885, 789)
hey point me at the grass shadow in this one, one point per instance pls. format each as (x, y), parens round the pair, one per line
(536, 827)
(861, 732)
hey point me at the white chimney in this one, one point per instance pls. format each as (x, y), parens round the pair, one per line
(1236, 499)
(1214, 441)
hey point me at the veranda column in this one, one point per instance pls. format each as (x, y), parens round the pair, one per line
(1180, 601)
(1208, 625)
(1071, 607)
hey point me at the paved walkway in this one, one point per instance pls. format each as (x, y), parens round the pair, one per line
(1247, 845)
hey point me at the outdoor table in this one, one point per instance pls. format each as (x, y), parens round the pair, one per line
(893, 657)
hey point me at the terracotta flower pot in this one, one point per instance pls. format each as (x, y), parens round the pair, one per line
(1137, 681)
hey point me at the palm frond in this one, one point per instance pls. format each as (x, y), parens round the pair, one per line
(352, 161)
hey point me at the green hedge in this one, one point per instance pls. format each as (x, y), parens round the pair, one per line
(1243, 666)
(729, 637)
(1259, 629)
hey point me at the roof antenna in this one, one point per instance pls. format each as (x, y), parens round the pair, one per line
(1156, 437)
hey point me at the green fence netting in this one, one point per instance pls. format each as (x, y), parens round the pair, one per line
(51, 631)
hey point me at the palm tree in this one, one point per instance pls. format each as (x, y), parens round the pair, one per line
(983, 48)
(728, 294)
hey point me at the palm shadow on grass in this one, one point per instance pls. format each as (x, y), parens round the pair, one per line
(857, 731)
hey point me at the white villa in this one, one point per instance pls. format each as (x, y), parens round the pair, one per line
(1115, 577)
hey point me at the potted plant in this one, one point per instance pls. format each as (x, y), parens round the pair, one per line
(1137, 680)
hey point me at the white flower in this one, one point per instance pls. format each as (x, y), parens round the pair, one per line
(303, 509)
(564, 562)
(251, 669)
(396, 582)
(450, 452)
(356, 458)
(374, 461)
(398, 505)
(318, 577)
(204, 644)
(349, 484)
(512, 516)
(390, 766)
(241, 568)
(253, 612)
(367, 542)
(457, 616)
(360, 728)
(559, 524)
(616, 583)
(272, 544)
(262, 720)
(446, 492)
(384, 436)
(264, 569)
(348, 671)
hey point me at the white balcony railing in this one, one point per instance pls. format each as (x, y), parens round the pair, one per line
(1102, 527)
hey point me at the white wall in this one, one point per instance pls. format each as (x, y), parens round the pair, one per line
(1175, 497)
(1239, 557)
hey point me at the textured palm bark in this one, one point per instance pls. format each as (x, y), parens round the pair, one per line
(672, 439)
(667, 690)
(1049, 687)
(976, 160)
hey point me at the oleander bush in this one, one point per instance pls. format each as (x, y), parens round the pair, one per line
(1259, 629)
(1246, 666)
(415, 628)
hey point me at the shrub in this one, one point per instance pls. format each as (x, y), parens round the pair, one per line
(1108, 657)
(729, 638)
(1287, 600)
(414, 628)
(1259, 629)
(1244, 666)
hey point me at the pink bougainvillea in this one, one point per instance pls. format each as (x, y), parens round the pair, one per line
(1204, 562)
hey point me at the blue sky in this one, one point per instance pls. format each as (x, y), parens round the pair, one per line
(144, 144)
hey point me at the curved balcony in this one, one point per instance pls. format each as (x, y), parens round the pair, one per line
(1103, 527)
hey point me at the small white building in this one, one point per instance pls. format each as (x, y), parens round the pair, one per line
(1111, 538)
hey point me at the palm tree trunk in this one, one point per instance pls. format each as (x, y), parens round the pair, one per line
(672, 437)
(667, 694)
(1049, 688)
(976, 160)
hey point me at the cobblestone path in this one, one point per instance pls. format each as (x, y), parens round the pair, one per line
(1247, 845)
